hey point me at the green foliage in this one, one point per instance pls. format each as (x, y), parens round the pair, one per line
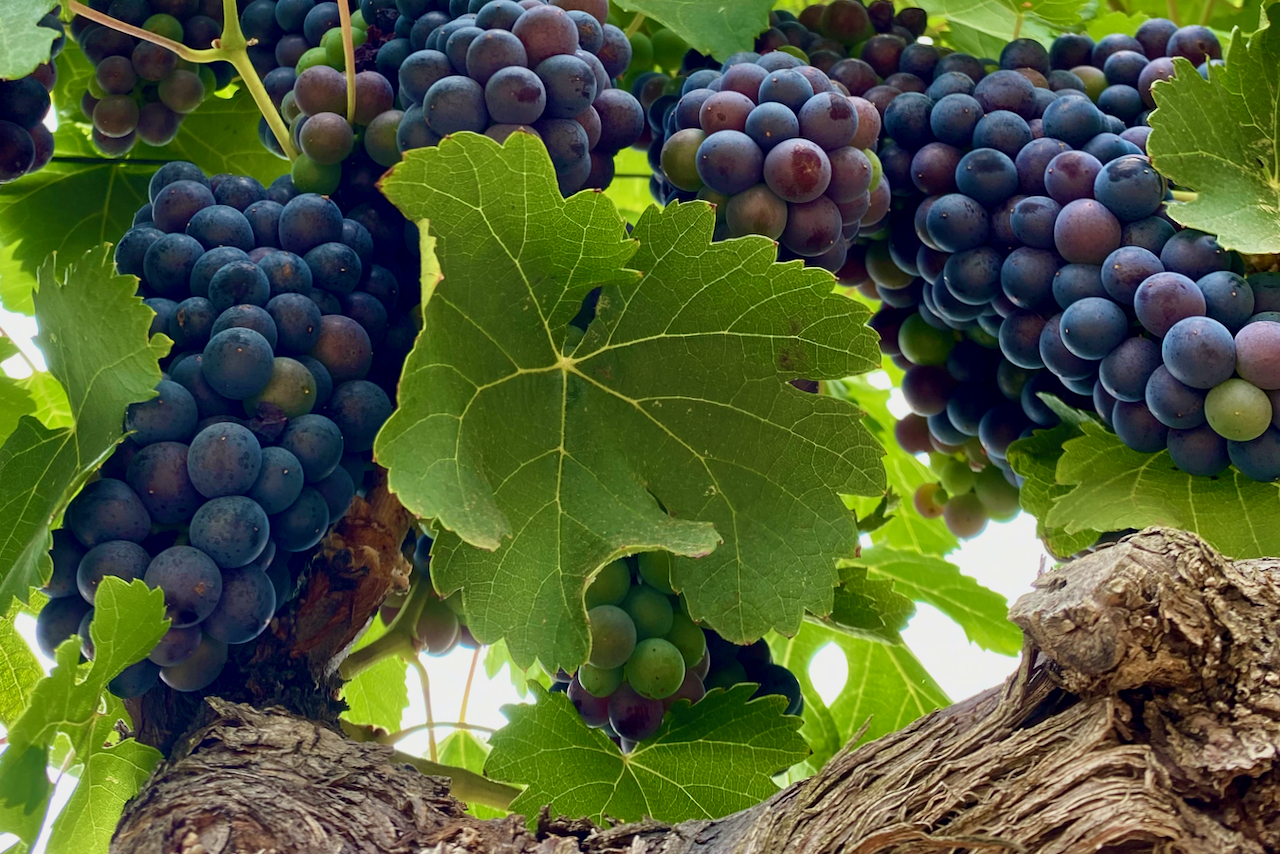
(93, 333)
(718, 29)
(979, 26)
(869, 607)
(886, 689)
(19, 670)
(625, 443)
(15, 399)
(461, 749)
(379, 694)
(1036, 460)
(738, 743)
(497, 656)
(23, 45)
(1219, 138)
(128, 620)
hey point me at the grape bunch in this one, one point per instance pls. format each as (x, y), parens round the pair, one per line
(784, 148)
(26, 145)
(261, 431)
(139, 90)
(491, 69)
(646, 654)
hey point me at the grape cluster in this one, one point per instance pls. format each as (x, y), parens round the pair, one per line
(781, 147)
(261, 431)
(646, 653)
(139, 90)
(26, 145)
(1032, 218)
(486, 66)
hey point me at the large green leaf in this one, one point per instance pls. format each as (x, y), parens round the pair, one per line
(706, 760)
(714, 28)
(869, 607)
(987, 24)
(23, 45)
(982, 613)
(379, 695)
(461, 749)
(1221, 138)
(19, 670)
(93, 333)
(128, 620)
(1117, 488)
(886, 689)
(1035, 459)
(15, 399)
(669, 426)
(110, 777)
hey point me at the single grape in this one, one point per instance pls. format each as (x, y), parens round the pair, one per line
(1238, 410)
(177, 645)
(247, 604)
(613, 636)
(655, 669)
(191, 581)
(200, 670)
(107, 509)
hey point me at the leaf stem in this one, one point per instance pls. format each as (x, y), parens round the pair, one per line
(1017, 26)
(466, 692)
(426, 699)
(184, 52)
(32, 365)
(1171, 9)
(636, 23)
(1208, 13)
(466, 786)
(389, 645)
(249, 78)
(349, 60)
(1184, 195)
(392, 738)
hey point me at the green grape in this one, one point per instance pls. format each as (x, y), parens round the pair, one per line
(613, 636)
(95, 88)
(610, 585)
(380, 137)
(650, 610)
(668, 49)
(599, 682)
(719, 201)
(965, 516)
(292, 387)
(207, 77)
(332, 44)
(641, 52)
(725, 677)
(358, 21)
(688, 638)
(883, 271)
(680, 159)
(796, 52)
(312, 177)
(922, 344)
(1238, 410)
(289, 109)
(956, 477)
(656, 669)
(655, 569)
(164, 25)
(938, 461)
(998, 496)
(311, 58)
(929, 500)
(877, 170)
(1093, 78)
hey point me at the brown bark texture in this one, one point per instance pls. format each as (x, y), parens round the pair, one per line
(1144, 717)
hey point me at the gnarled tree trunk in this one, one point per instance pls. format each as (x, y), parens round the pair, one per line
(1145, 716)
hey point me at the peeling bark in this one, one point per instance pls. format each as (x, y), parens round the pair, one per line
(1144, 717)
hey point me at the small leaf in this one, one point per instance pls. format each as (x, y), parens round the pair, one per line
(1221, 138)
(716, 29)
(1035, 459)
(89, 318)
(461, 749)
(23, 45)
(109, 779)
(379, 695)
(705, 761)
(669, 426)
(1118, 488)
(128, 620)
(982, 613)
(869, 607)
(498, 656)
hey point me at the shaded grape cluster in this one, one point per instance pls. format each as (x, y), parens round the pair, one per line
(647, 654)
(784, 148)
(26, 145)
(488, 67)
(141, 91)
(260, 435)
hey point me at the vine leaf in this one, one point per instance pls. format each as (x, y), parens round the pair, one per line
(1221, 138)
(886, 689)
(23, 45)
(716, 29)
(1035, 459)
(869, 607)
(378, 695)
(670, 425)
(19, 670)
(93, 334)
(739, 743)
(1114, 488)
(981, 612)
(128, 620)
(1005, 20)
(15, 399)
(461, 749)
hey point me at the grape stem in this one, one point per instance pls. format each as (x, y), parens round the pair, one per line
(392, 738)
(349, 60)
(4, 333)
(399, 641)
(1184, 195)
(636, 23)
(466, 692)
(1208, 13)
(1017, 28)
(231, 47)
(1171, 8)
(425, 680)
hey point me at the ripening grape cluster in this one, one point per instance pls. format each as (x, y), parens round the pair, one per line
(139, 90)
(260, 435)
(1033, 224)
(777, 144)
(429, 68)
(646, 654)
(26, 145)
